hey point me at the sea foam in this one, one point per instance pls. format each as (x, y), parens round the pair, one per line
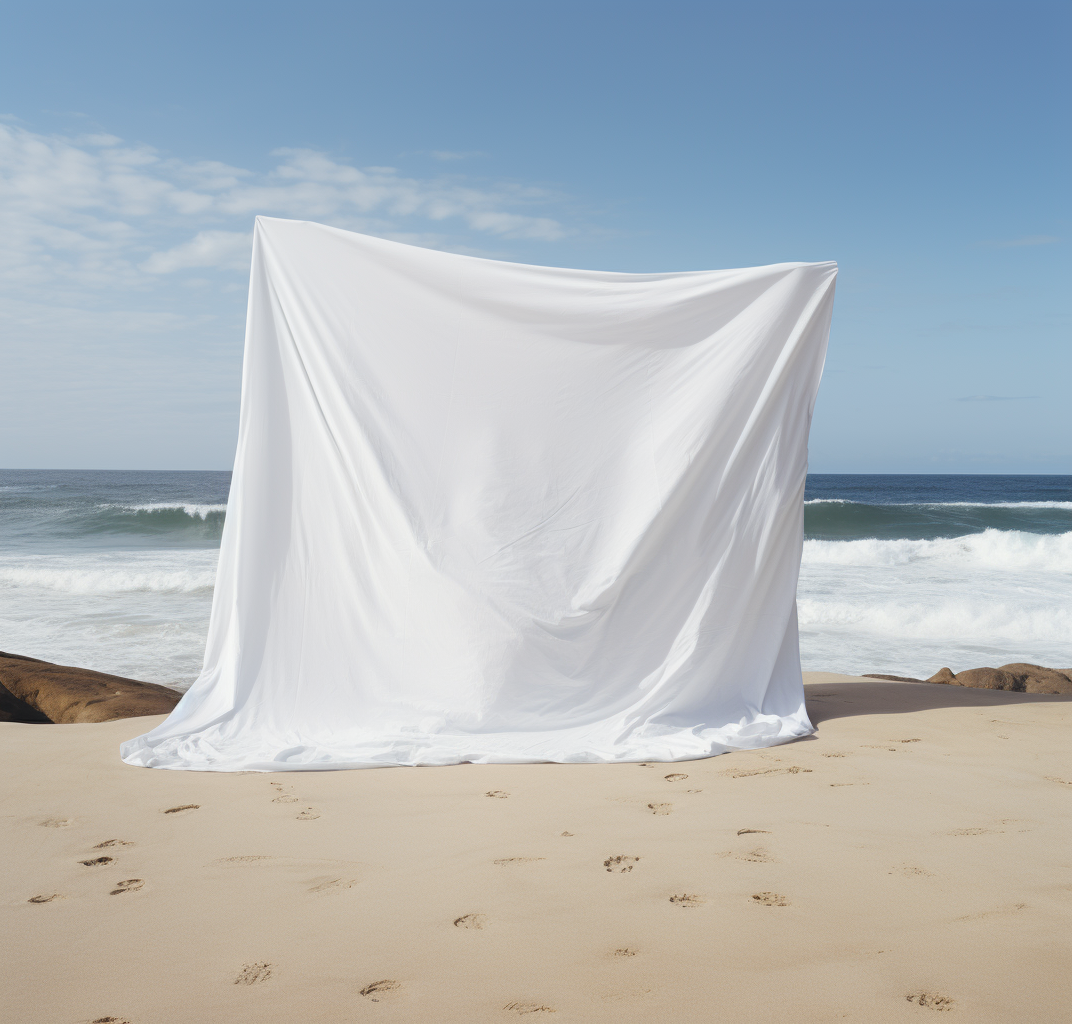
(909, 607)
(1009, 550)
(179, 572)
(193, 511)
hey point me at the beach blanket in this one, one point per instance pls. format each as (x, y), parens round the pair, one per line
(483, 511)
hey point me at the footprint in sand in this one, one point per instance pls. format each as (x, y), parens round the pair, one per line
(932, 1000)
(57, 822)
(570, 834)
(521, 1009)
(1009, 909)
(738, 773)
(757, 856)
(503, 861)
(380, 990)
(254, 974)
(253, 858)
(45, 899)
(497, 794)
(309, 814)
(94, 862)
(675, 777)
(624, 951)
(182, 808)
(620, 864)
(770, 899)
(333, 885)
(911, 871)
(687, 899)
(110, 1020)
(660, 808)
(474, 922)
(127, 885)
(284, 797)
(112, 842)
(834, 754)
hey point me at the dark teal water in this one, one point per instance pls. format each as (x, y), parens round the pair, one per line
(48, 508)
(45, 510)
(927, 507)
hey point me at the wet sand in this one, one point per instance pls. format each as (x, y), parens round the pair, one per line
(910, 862)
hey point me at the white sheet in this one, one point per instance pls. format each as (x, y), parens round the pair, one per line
(490, 512)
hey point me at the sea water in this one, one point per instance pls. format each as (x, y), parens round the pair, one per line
(900, 574)
(908, 574)
(110, 570)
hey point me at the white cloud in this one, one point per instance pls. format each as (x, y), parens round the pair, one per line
(229, 249)
(91, 213)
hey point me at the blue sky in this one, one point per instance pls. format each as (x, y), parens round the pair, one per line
(925, 147)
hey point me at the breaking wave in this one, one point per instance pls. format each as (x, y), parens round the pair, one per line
(961, 617)
(98, 576)
(201, 512)
(839, 519)
(910, 607)
(1006, 550)
(154, 523)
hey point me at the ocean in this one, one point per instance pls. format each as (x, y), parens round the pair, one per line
(901, 574)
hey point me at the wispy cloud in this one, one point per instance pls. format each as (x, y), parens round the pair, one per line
(997, 398)
(229, 249)
(1013, 243)
(94, 212)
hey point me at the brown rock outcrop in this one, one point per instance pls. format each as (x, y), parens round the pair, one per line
(1041, 680)
(943, 675)
(991, 679)
(39, 691)
(14, 710)
(1019, 677)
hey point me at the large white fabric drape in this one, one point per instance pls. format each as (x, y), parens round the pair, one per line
(484, 511)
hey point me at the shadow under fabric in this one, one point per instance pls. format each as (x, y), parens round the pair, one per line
(490, 512)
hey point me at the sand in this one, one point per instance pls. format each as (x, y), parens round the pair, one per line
(910, 862)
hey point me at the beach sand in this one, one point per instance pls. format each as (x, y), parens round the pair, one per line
(910, 862)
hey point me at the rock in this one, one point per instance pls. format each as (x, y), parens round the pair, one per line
(1019, 677)
(943, 675)
(990, 679)
(14, 710)
(38, 691)
(1041, 680)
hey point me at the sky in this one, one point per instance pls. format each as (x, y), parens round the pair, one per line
(924, 146)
